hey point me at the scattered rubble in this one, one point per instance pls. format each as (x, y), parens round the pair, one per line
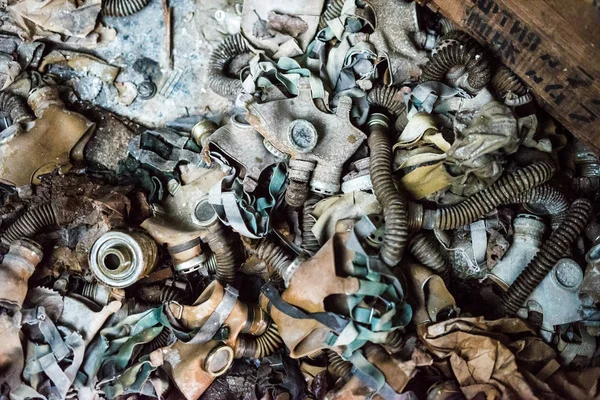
(369, 206)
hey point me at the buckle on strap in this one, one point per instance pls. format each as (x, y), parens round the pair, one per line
(180, 313)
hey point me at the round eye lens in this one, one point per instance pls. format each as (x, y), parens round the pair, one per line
(205, 213)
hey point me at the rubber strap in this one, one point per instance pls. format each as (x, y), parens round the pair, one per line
(53, 371)
(424, 96)
(374, 378)
(332, 321)
(115, 346)
(126, 351)
(248, 215)
(380, 281)
(24, 392)
(184, 246)
(548, 370)
(38, 317)
(265, 73)
(218, 317)
(84, 381)
(44, 360)
(77, 345)
(132, 380)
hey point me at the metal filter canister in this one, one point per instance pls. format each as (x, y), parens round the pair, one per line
(119, 259)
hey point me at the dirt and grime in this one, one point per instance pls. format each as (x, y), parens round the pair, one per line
(262, 200)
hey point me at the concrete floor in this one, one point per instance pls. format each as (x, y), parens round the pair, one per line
(140, 46)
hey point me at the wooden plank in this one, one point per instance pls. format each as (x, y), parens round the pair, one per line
(553, 45)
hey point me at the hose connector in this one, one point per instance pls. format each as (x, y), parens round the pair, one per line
(17, 267)
(378, 121)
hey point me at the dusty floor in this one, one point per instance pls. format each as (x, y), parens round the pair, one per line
(426, 309)
(140, 49)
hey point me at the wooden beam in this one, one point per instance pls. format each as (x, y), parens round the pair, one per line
(553, 45)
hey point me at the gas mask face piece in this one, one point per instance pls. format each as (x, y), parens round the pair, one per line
(396, 37)
(309, 135)
(183, 221)
(17, 267)
(11, 355)
(243, 144)
(51, 141)
(431, 298)
(193, 365)
(328, 294)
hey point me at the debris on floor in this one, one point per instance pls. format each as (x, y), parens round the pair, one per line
(285, 200)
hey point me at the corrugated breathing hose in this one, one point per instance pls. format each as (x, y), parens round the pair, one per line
(392, 100)
(296, 193)
(545, 200)
(456, 50)
(332, 10)
(226, 248)
(259, 346)
(337, 365)
(427, 251)
(310, 244)
(446, 26)
(164, 339)
(171, 293)
(31, 222)
(394, 342)
(504, 191)
(122, 8)
(505, 81)
(394, 207)
(315, 354)
(211, 263)
(272, 254)
(555, 248)
(15, 107)
(219, 60)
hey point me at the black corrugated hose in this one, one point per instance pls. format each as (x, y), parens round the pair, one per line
(272, 254)
(31, 223)
(457, 49)
(545, 200)
(122, 8)
(505, 81)
(505, 190)
(219, 60)
(555, 248)
(333, 9)
(337, 365)
(392, 100)
(427, 251)
(226, 248)
(15, 107)
(260, 346)
(394, 207)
